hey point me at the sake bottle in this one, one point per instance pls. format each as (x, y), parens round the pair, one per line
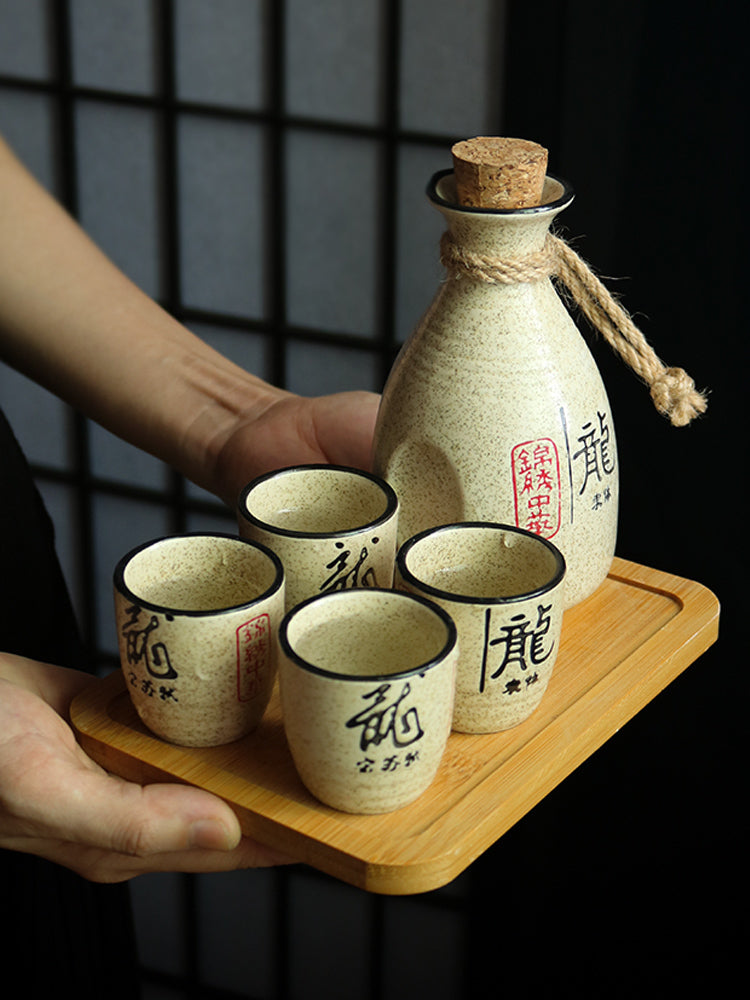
(495, 409)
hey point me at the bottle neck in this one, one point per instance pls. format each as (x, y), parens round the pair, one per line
(506, 233)
(506, 237)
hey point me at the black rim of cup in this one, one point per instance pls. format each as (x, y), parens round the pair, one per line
(389, 494)
(339, 595)
(409, 577)
(122, 565)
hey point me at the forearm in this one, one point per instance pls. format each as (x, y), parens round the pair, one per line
(73, 322)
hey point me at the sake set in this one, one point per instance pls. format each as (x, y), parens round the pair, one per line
(425, 597)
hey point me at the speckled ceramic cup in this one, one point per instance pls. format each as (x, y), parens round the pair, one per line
(197, 621)
(367, 682)
(333, 527)
(504, 588)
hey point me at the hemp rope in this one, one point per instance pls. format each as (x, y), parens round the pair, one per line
(672, 390)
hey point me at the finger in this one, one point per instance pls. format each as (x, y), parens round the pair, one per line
(344, 424)
(52, 790)
(57, 802)
(122, 830)
(108, 866)
(116, 815)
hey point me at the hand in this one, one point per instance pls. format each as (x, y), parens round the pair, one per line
(294, 430)
(57, 803)
(116, 356)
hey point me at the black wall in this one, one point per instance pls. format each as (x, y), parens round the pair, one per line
(625, 881)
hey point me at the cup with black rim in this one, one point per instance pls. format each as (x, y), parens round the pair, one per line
(367, 684)
(504, 588)
(333, 527)
(197, 620)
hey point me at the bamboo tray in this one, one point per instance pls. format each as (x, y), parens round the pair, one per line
(618, 649)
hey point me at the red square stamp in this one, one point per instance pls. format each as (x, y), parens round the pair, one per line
(253, 652)
(536, 486)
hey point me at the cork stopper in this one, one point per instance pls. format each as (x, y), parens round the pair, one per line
(495, 172)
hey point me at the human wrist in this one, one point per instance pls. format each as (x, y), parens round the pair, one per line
(214, 400)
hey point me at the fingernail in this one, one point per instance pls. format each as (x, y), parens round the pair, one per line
(211, 834)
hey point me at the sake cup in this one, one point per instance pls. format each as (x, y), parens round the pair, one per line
(333, 527)
(504, 588)
(367, 680)
(197, 620)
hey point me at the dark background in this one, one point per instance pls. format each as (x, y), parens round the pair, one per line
(627, 880)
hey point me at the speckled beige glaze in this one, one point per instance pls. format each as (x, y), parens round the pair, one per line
(495, 387)
(367, 683)
(332, 527)
(197, 622)
(504, 589)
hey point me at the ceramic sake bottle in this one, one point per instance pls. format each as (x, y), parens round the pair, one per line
(495, 409)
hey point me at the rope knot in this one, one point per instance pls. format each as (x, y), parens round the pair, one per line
(674, 394)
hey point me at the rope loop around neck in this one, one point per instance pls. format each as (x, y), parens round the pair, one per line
(672, 390)
(460, 262)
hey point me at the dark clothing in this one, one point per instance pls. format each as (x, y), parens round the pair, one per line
(36, 616)
(62, 930)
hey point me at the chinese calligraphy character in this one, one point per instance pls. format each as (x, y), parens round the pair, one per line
(139, 647)
(384, 718)
(523, 644)
(536, 484)
(253, 651)
(344, 576)
(147, 687)
(595, 451)
(388, 764)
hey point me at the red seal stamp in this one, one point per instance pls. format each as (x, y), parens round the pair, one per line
(536, 486)
(253, 651)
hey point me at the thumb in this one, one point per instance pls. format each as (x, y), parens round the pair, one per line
(53, 790)
(103, 811)
(57, 802)
(154, 819)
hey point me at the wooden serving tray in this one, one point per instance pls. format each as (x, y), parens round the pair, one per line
(618, 649)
